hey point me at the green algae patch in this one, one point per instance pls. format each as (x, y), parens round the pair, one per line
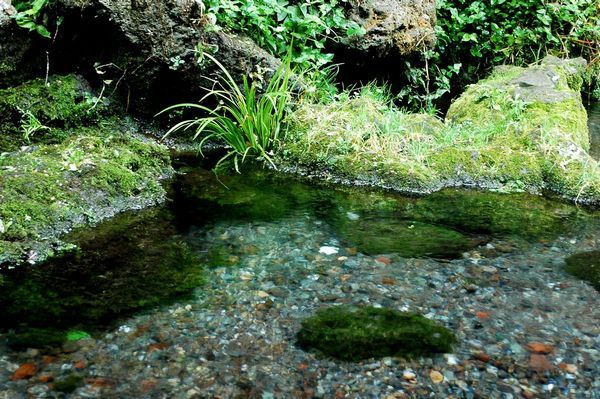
(521, 129)
(36, 112)
(126, 264)
(355, 333)
(374, 235)
(69, 383)
(585, 266)
(50, 189)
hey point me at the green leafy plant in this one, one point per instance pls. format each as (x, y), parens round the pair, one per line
(248, 122)
(474, 36)
(281, 26)
(29, 15)
(30, 124)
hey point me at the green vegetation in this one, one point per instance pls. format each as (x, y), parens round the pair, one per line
(30, 15)
(69, 383)
(500, 134)
(352, 334)
(282, 27)
(248, 122)
(585, 266)
(473, 36)
(36, 112)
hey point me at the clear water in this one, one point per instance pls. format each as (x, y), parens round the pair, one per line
(139, 260)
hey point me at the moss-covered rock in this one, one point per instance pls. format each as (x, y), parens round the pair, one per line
(36, 112)
(68, 383)
(354, 333)
(48, 190)
(373, 235)
(521, 129)
(585, 266)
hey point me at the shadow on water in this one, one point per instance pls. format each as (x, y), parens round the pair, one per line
(143, 259)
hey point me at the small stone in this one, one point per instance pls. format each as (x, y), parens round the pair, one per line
(328, 250)
(489, 269)
(482, 356)
(26, 370)
(262, 294)
(540, 348)
(80, 365)
(540, 363)
(436, 377)
(388, 281)
(384, 259)
(471, 288)
(44, 378)
(351, 251)
(408, 375)
(482, 315)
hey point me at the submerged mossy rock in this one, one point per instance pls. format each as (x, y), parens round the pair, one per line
(521, 129)
(585, 266)
(355, 333)
(36, 112)
(498, 214)
(128, 263)
(375, 235)
(49, 189)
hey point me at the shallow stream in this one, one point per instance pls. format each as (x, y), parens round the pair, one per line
(203, 297)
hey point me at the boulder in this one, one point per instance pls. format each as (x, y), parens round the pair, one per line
(393, 27)
(149, 51)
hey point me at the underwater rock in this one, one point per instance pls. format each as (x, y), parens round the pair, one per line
(128, 263)
(355, 333)
(585, 266)
(372, 236)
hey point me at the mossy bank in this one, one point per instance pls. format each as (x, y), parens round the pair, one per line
(65, 163)
(521, 129)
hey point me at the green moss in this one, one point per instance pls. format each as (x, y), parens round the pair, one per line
(384, 235)
(585, 266)
(60, 106)
(69, 383)
(53, 188)
(479, 212)
(36, 338)
(521, 129)
(131, 262)
(352, 334)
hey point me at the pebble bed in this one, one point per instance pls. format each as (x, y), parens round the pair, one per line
(525, 328)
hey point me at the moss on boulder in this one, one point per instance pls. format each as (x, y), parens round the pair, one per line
(355, 333)
(36, 112)
(521, 129)
(49, 189)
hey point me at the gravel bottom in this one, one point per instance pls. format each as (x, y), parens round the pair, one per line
(524, 327)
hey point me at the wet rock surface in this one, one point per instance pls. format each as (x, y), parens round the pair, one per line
(524, 327)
